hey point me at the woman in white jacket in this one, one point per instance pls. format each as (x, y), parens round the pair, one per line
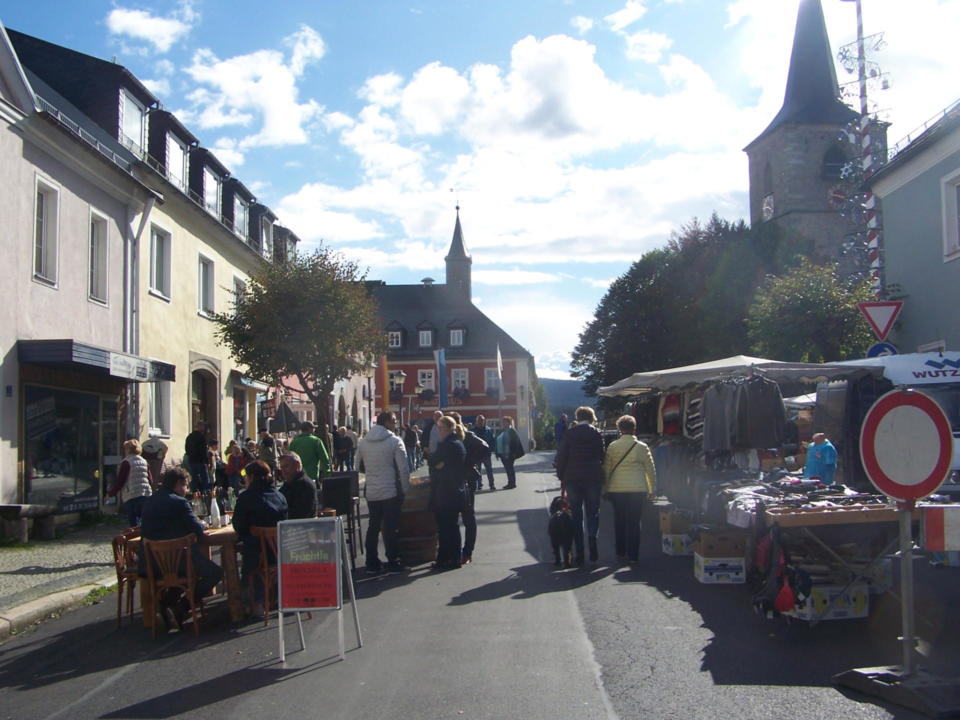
(383, 460)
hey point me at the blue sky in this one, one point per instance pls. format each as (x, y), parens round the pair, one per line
(577, 135)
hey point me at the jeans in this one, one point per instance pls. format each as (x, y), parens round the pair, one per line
(448, 537)
(469, 525)
(385, 515)
(511, 474)
(411, 458)
(134, 510)
(627, 511)
(200, 477)
(584, 500)
(488, 466)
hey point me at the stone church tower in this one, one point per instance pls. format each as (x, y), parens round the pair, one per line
(796, 161)
(458, 263)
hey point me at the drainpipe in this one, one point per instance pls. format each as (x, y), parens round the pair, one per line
(131, 310)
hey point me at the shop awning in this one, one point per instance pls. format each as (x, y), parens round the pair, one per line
(248, 382)
(736, 366)
(73, 355)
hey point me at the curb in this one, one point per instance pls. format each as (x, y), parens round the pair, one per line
(16, 619)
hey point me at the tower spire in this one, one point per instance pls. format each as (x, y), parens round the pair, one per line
(458, 262)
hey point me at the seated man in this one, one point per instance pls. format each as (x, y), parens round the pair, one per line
(168, 515)
(299, 490)
(260, 505)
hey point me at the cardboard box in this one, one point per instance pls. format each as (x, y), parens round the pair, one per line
(676, 544)
(719, 570)
(721, 543)
(673, 522)
(854, 603)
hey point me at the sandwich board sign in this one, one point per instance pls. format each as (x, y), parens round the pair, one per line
(311, 567)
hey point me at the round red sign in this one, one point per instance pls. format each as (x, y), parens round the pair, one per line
(906, 445)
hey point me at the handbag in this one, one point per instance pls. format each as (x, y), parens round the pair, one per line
(614, 468)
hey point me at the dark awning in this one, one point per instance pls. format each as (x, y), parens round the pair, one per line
(70, 354)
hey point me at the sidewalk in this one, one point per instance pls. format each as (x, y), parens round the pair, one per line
(45, 577)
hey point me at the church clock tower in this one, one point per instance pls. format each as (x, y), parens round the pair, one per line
(458, 262)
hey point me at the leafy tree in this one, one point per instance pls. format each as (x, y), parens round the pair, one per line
(543, 424)
(809, 315)
(310, 318)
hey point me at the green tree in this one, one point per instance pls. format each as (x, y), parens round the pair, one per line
(311, 319)
(809, 315)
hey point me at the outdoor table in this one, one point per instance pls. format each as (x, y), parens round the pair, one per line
(226, 539)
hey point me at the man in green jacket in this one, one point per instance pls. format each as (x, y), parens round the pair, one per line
(312, 452)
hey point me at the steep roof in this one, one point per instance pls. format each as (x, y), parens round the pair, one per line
(411, 306)
(812, 95)
(458, 249)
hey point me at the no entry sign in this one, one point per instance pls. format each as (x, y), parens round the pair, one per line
(906, 445)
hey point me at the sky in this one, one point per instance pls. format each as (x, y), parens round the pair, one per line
(575, 135)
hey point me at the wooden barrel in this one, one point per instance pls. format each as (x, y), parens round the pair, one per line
(418, 528)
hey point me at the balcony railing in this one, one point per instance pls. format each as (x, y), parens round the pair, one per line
(84, 135)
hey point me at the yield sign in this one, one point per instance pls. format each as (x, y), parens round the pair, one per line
(881, 316)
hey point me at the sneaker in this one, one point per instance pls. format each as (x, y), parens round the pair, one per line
(466, 559)
(396, 566)
(492, 488)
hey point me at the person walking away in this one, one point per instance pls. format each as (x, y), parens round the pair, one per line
(383, 460)
(629, 476)
(195, 448)
(447, 492)
(167, 515)
(821, 459)
(560, 429)
(419, 459)
(299, 490)
(410, 442)
(342, 447)
(354, 441)
(509, 450)
(473, 482)
(267, 450)
(154, 452)
(313, 453)
(580, 469)
(134, 482)
(260, 505)
(486, 434)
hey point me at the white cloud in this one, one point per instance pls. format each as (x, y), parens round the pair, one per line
(602, 283)
(512, 277)
(626, 16)
(261, 85)
(160, 32)
(158, 86)
(434, 98)
(582, 24)
(647, 46)
(228, 152)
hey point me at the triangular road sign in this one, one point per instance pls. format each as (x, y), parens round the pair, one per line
(881, 316)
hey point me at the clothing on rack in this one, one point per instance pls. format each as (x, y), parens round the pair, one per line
(692, 416)
(761, 419)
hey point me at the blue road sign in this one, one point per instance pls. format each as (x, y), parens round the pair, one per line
(880, 349)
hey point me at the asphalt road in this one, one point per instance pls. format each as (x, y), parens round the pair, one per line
(505, 637)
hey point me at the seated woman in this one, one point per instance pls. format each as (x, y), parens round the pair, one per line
(260, 505)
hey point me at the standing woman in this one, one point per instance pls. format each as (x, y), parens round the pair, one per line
(580, 469)
(509, 450)
(134, 482)
(629, 475)
(447, 491)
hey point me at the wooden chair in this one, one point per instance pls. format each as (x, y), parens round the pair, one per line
(125, 563)
(266, 571)
(170, 567)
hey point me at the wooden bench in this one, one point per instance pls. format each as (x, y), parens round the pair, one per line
(16, 521)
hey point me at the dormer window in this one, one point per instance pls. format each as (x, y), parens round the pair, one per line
(394, 339)
(211, 192)
(426, 338)
(133, 122)
(176, 161)
(456, 337)
(266, 238)
(241, 217)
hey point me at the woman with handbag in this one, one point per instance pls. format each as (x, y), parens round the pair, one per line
(629, 475)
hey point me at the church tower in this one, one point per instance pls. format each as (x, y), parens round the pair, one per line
(458, 262)
(797, 159)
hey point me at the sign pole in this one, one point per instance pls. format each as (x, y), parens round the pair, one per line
(349, 576)
(906, 589)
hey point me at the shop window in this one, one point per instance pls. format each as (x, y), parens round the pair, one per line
(159, 419)
(133, 122)
(46, 222)
(160, 262)
(98, 258)
(205, 286)
(456, 337)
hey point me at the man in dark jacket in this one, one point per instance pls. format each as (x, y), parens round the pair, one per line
(299, 490)
(486, 434)
(195, 451)
(580, 469)
(167, 515)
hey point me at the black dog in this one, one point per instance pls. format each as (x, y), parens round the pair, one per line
(560, 529)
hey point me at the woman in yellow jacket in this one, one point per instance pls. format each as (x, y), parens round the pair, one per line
(629, 475)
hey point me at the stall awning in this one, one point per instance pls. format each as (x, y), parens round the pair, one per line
(74, 355)
(248, 382)
(736, 366)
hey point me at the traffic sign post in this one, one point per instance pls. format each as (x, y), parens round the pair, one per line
(906, 445)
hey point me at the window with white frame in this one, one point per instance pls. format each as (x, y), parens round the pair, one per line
(205, 286)
(239, 288)
(950, 189)
(45, 232)
(394, 338)
(456, 337)
(159, 420)
(460, 379)
(160, 261)
(425, 379)
(426, 338)
(241, 217)
(176, 161)
(490, 379)
(133, 122)
(211, 191)
(266, 237)
(98, 257)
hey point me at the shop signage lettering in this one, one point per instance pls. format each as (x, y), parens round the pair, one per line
(127, 366)
(921, 374)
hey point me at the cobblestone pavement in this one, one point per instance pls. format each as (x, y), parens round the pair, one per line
(80, 555)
